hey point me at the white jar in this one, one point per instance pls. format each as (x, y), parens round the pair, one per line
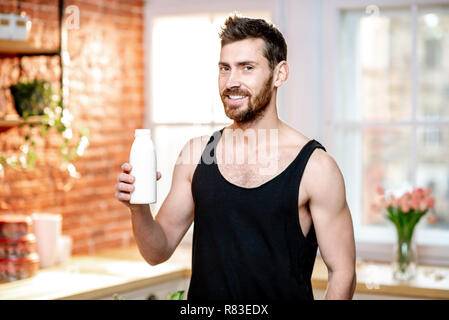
(6, 26)
(143, 161)
(21, 27)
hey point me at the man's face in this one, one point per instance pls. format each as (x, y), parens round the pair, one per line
(245, 80)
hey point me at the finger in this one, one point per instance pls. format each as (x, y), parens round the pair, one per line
(123, 196)
(158, 175)
(127, 178)
(125, 187)
(126, 167)
(118, 195)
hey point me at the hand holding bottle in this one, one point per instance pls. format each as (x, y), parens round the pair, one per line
(125, 184)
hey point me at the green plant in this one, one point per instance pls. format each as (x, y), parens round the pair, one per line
(178, 295)
(405, 212)
(31, 97)
(116, 296)
(53, 117)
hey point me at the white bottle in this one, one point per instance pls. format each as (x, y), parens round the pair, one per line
(143, 161)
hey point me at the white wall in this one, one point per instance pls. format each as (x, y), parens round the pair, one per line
(301, 103)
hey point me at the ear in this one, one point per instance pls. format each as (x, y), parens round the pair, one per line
(280, 73)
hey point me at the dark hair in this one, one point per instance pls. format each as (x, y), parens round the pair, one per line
(239, 28)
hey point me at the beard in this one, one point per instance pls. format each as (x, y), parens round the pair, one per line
(256, 106)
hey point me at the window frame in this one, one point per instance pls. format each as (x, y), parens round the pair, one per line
(375, 242)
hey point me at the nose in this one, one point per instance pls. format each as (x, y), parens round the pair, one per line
(233, 80)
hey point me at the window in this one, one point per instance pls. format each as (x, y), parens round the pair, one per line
(184, 101)
(392, 112)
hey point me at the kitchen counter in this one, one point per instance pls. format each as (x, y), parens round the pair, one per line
(109, 272)
(375, 281)
(115, 271)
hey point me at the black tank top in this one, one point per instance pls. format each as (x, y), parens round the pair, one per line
(247, 242)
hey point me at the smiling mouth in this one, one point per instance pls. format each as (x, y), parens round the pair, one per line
(234, 100)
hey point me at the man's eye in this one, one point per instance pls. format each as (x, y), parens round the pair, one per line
(248, 68)
(224, 68)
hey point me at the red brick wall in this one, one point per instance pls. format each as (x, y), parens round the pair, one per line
(105, 93)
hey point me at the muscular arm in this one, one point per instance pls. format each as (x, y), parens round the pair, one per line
(158, 238)
(332, 220)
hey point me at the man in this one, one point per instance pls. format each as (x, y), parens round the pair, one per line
(255, 235)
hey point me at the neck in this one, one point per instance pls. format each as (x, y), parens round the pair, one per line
(247, 138)
(268, 120)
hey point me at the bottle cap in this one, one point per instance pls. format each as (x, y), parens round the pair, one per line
(142, 132)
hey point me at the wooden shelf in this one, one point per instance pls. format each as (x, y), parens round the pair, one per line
(13, 121)
(20, 48)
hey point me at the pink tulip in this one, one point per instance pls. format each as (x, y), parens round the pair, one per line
(427, 192)
(405, 208)
(423, 205)
(380, 191)
(430, 202)
(407, 195)
(414, 204)
(418, 192)
(404, 204)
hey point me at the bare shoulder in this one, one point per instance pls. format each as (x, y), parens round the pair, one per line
(322, 171)
(323, 177)
(190, 155)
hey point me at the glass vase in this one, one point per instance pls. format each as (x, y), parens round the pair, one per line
(404, 258)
